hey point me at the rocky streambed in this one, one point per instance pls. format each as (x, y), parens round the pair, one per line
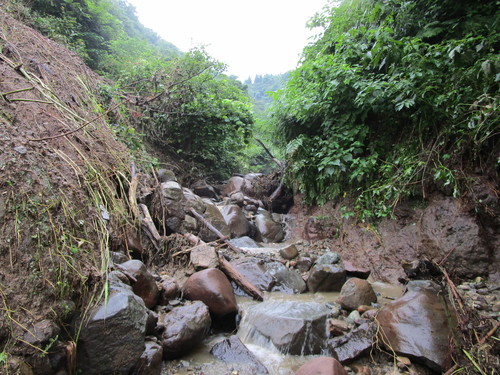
(189, 312)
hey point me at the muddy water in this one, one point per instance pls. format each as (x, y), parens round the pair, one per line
(200, 361)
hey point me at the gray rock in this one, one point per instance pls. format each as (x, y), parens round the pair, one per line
(288, 281)
(203, 189)
(165, 175)
(236, 220)
(232, 350)
(214, 217)
(204, 256)
(268, 228)
(298, 328)
(325, 277)
(255, 272)
(193, 201)
(112, 340)
(234, 184)
(183, 328)
(245, 242)
(150, 362)
(144, 285)
(329, 257)
(172, 190)
(354, 344)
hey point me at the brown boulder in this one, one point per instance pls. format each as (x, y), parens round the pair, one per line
(415, 325)
(213, 288)
(144, 285)
(356, 292)
(322, 366)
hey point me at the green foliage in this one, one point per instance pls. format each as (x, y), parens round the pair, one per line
(105, 33)
(196, 111)
(387, 90)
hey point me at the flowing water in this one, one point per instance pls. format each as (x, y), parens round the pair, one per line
(201, 362)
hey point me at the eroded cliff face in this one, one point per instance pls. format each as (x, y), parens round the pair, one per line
(460, 235)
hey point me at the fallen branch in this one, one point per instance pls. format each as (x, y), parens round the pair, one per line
(277, 192)
(151, 230)
(239, 279)
(132, 194)
(269, 153)
(215, 231)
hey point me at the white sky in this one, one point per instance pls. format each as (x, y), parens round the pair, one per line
(251, 36)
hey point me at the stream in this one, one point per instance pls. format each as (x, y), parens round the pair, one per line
(201, 362)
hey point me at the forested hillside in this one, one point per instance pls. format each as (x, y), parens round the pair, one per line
(179, 102)
(396, 99)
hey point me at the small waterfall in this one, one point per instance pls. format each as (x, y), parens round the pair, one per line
(291, 327)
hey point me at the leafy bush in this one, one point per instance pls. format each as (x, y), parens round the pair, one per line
(387, 90)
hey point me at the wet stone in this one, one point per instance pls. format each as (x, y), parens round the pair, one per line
(297, 328)
(232, 350)
(354, 344)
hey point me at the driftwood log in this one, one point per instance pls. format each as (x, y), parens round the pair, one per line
(216, 231)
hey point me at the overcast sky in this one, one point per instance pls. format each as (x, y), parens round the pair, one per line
(251, 36)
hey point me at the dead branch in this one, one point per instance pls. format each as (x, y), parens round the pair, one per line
(132, 194)
(239, 279)
(150, 228)
(269, 153)
(215, 231)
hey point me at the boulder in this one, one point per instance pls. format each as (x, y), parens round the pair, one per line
(150, 362)
(193, 201)
(415, 325)
(235, 183)
(288, 281)
(356, 292)
(322, 366)
(289, 252)
(354, 344)
(183, 328)
(165, 175)
(144, 285)
(232, 350)
(172, 190)
(268, 228)
(214, 217)
(236, 220)
(213, 288)
(255, 272)
(169, 290)
(204, 256)
(297, 328)
(327, 275)
(352, 269)
(203, 189)
(112, 340)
